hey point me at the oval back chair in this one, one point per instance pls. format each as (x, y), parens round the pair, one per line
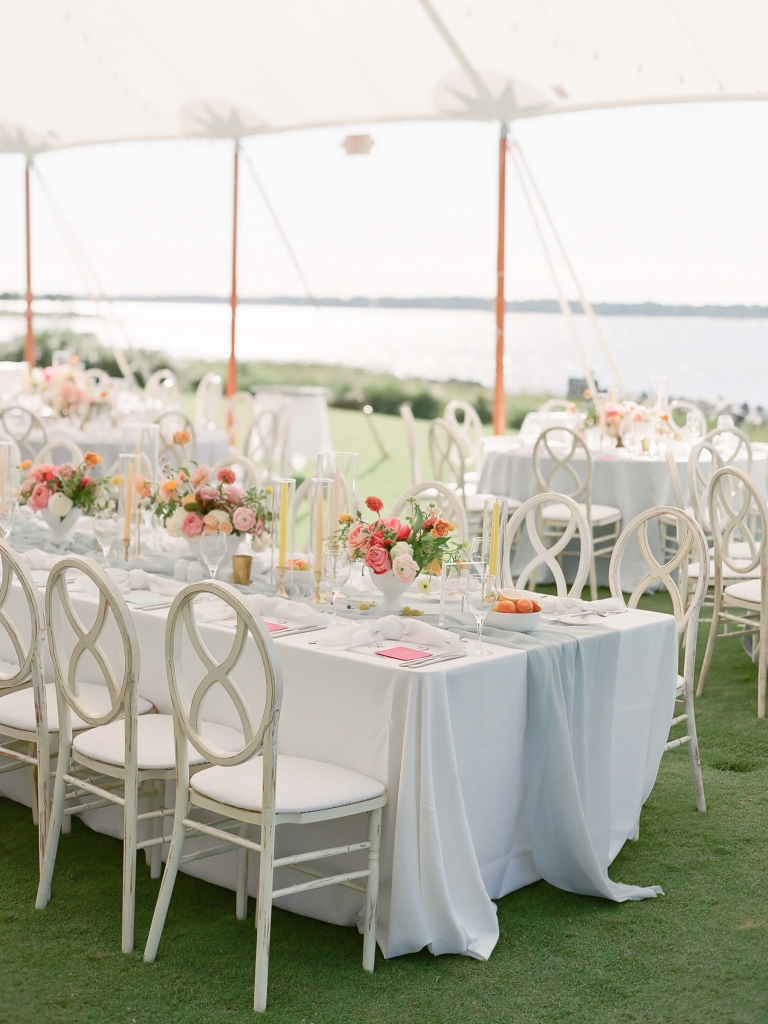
(441, 494)
(252, 477)
(732, 445)
(446, 454)
(738, 520)
(690, 409)
(469, 429)
(162, 390)
(692, 546)
(253, 784)
(23, 427)
(268, 439)
(701, 468)
(58, 444)
(208, 398)
(529, 514)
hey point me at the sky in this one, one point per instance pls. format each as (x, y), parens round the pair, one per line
(666, 203)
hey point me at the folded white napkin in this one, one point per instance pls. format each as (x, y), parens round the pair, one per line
(138, 579)
(575, 608)
(37, 559)
(213, 609)
(390, 627)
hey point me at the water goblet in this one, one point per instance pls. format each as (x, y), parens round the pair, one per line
(481, 594)
(336, 569)
(105, 530)
(9, 512)
(213, 548)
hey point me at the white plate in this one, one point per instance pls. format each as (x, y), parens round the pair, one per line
(513, 621)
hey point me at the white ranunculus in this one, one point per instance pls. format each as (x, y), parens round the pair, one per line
(221, 515)
(404, 568)
(59, 504)
(174, 521)
(401, 548)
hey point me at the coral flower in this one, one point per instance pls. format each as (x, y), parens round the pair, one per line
(226, 475)
(26, 463)
(169, 485)
(92, 459)
(182, 437)
(374, 504)
(441, 528)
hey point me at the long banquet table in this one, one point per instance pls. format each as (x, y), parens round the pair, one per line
(451, 742)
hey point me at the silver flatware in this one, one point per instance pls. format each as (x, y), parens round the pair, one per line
(433, 659)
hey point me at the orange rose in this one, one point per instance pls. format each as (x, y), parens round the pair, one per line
(225, 527)
(182, 437)
(26, 463)
(92, 459)
(441, 528)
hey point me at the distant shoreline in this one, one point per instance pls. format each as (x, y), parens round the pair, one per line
(459, 302)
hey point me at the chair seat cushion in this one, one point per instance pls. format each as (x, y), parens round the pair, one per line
(155, 742)
(302, 785)
(747, 590)
(693, 571)
(600, 513)
(17, 710)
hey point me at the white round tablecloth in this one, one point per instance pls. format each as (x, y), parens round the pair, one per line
(630, 483)
(209, 447)
(310, 431)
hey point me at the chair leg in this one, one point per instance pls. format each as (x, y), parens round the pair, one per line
(130, 838)
(54, 831)
(43, 793)
(636, 834)
(593, 578)
(166, 887)
(241, 908)
(156, 852)
(264, 915)
(762, 669)
(32, 770)
(693, 748)
(372, 890)
(711, 641)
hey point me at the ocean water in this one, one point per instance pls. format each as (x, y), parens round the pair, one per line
(702, 357)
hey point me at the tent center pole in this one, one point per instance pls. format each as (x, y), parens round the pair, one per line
(29, 341)
(232, 368)
(499, 399)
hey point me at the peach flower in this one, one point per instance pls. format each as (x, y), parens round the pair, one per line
(39, 497)
(192, 525)
(200, 475)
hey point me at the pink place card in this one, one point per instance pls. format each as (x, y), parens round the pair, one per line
(274, 627)
(403, 653)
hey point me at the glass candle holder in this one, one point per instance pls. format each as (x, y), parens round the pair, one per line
(320, 527)
(341, 469)
(128, 511)
(283, 492)
(495, 514)
(143, 439)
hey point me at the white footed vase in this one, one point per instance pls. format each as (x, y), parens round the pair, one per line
(224, 572)
(392, 589)
(58, 525)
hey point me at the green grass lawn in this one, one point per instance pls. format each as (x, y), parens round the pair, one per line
(698, 955)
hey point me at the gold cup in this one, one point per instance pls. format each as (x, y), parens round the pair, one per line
(241, 569)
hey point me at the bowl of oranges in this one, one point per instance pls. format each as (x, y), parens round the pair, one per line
(516, 611)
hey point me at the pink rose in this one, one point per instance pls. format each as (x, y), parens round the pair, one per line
(378, 559)
(226, 475)
(403, 530)
(200, 476)
(243, 519)
(28, 484)
(208, 493)
(66, 469)
(192, 525)
(232, 493)
(356, 538)
(39, 497)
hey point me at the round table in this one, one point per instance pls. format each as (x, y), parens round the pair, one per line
(310, 430)
(209, 446)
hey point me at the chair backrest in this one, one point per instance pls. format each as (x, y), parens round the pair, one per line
(689, 408)
(28, 648)
(561, 445)
(446, 454)
(557, 405)
(529, 514)
(406, 412)
(674, 475)
(469, 429)
(162, 390)
(732, 445)
(251, 475)
(269, 436)
(444, 496)
(23, 427)
(738, 514)
(57, 444)
(121, 686)
(703, 461)
(208, 397)
(239, 418)
(188, 695)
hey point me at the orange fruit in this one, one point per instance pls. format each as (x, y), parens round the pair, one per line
(504, 606)
(536, 606)
(524, 606)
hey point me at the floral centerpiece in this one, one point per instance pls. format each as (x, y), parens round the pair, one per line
(193, 500)
(61, 493)
(396, 550)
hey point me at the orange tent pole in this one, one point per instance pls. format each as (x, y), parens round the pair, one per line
(499, 399)
(232, 369)
(29, 341)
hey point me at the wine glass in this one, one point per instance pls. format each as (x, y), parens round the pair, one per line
(213, 548)
(336, 569)
(480, 593)
(9, 512)
(105, 530)
(693, 426)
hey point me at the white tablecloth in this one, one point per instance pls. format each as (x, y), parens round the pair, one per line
(310, 431)
(449, 742)
(209, 447)
(632, 484)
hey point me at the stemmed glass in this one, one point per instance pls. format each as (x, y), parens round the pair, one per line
(336, 569)
(105, 530)
(213, 548)
(9, 512)
(480, 593)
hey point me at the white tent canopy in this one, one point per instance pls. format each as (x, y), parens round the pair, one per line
(75, 72)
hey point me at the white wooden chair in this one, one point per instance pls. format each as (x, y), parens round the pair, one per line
(686, 608)
(412, 436)
(23, 427)
(738, 512)
(560, 445)
(24, 722)
(54, 445)
(529, 515)
(254, 785)
(125, 747)
(239, 418)
(268, 440)
(443, 496)
(208, 396)
(732, 445)
(470, 430)
(668, 524)
(162, 391)
(97, 379)
(249, 472)
(690, 409)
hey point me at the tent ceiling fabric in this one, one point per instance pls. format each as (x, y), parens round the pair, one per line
(76, 72)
